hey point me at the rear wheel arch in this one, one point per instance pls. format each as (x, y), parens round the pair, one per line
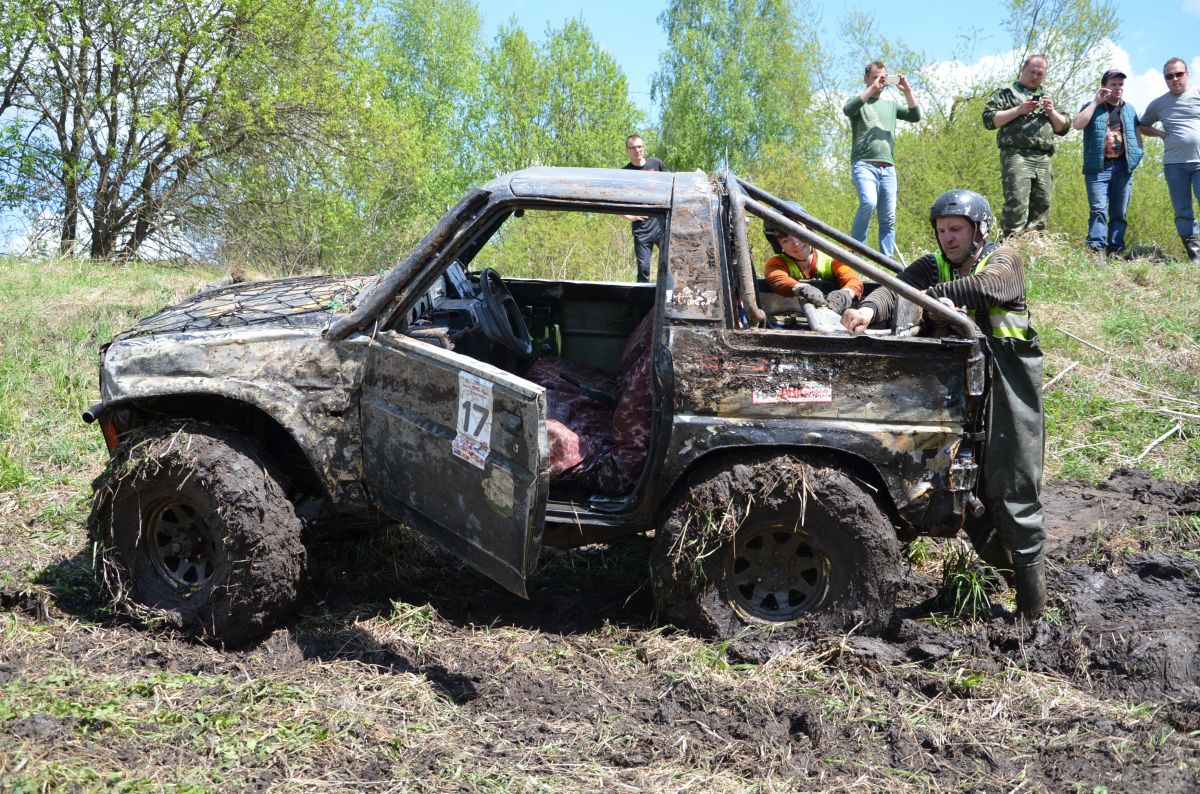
(860, 468)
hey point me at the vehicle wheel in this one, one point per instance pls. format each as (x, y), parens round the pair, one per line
(194, 528)
(772, 542)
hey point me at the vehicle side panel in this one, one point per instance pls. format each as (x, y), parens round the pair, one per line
(900, 405)
(307, 384)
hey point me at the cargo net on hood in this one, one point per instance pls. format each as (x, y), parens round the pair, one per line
(293, 301)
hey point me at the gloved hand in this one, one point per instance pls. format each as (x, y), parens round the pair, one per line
(807, 293)
(839, 300)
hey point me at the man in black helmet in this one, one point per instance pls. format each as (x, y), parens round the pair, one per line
(988, 282)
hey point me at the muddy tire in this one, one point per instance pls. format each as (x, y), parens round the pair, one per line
(774, 542)
(193, 528)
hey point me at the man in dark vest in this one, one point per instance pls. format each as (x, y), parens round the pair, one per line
(1112, 148)
(987, 280)
(647, 229)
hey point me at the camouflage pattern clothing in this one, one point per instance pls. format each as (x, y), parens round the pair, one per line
(1026, 144)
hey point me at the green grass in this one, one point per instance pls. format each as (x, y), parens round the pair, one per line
(138, 711)
(1137, 368)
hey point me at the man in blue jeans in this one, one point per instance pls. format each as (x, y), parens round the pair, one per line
(1179, 112)
(872, 151)
(1112, 148)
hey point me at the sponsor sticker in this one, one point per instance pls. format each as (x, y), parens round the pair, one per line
(473, 440)
(801, 392)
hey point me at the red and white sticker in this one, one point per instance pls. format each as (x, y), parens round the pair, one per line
(802, 392)
(473, 441)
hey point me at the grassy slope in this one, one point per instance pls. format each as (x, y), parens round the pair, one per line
(222, 722)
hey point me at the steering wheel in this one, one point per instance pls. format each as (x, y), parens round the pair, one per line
(501, 320)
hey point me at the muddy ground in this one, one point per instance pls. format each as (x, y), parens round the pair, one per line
(424, 676)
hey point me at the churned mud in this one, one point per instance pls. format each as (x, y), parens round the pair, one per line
(580, 684)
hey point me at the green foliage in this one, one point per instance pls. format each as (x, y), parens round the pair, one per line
(138, 113)
(429, 56)
(733, 81)
(561, 245)
(563, 102)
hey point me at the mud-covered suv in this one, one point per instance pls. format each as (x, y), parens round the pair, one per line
(778, 461)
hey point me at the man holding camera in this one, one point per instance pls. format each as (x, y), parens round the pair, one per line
(872, 151)
(1112, 148)
(1027, 122)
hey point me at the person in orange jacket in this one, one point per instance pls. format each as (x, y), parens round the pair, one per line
(797, 264)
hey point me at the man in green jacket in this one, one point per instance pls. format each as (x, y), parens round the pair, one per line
(873, 115)
(1027, 122)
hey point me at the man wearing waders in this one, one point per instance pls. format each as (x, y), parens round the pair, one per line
(987, 280)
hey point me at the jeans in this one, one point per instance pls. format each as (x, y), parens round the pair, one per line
(1108, 197)
(1183, 180)
(876, 186)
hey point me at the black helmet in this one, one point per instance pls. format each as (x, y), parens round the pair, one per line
(771, 229)
(966, 203)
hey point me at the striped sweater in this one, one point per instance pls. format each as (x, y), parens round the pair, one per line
(1001, 282)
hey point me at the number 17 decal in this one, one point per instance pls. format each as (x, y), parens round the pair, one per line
(473, 441)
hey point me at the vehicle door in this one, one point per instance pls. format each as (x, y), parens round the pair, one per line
(457, 448)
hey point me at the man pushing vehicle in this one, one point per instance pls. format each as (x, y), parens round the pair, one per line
(987, 280)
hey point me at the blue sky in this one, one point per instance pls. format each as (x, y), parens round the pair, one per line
(1148, 35)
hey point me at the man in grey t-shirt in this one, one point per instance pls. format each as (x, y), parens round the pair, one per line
(1179, 112)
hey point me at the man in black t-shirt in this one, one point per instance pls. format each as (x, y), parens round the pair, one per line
(647, 229)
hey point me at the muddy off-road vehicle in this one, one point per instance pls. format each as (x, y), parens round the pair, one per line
(778, 462)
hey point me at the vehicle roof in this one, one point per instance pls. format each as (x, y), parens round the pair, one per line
(614, 185)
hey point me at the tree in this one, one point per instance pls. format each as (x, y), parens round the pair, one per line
(565, 102)
(1069, 33)
(735, 80)
(128, 106)
(514, 98)
(430, 58)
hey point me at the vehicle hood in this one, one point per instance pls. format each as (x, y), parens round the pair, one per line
(285, 302)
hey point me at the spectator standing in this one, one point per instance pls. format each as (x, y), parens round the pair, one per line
(1027, 122)
(1179, 112)
(872, 152)
(647, 229)
(1112, 148)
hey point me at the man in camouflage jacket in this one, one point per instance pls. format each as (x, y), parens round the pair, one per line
(1027, 122)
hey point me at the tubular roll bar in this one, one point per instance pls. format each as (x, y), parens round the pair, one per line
(775, 211)
(836, 235)
(754, 314)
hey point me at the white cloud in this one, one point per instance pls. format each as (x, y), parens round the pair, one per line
(1190, 7)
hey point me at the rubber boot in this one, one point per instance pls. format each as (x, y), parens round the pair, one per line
(1031, 589)
(1192, 244)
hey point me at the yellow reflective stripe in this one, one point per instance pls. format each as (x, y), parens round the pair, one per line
(824, 266)
(793, 268)
(1009, 325)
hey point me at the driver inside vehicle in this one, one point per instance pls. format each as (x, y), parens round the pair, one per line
(799, 270)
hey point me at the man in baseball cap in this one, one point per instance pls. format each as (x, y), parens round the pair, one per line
(1112, 148)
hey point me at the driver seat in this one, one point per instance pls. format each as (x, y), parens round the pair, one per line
(598, 425)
